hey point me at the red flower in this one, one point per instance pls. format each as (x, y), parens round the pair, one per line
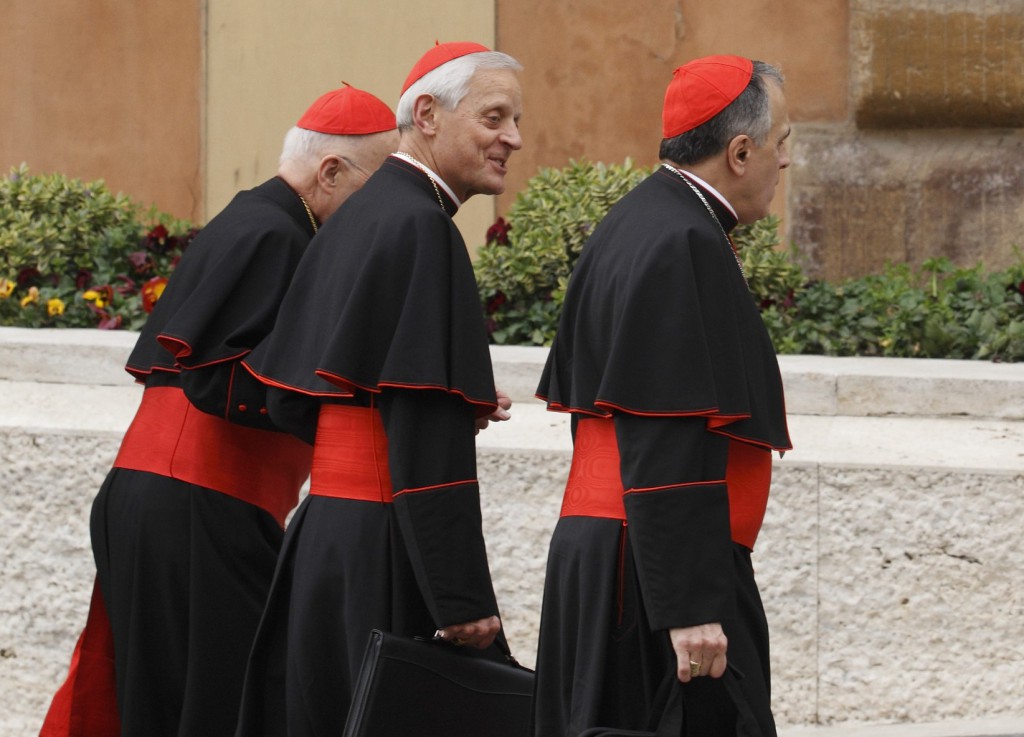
(140, 261)
(28, 274)
(83, 279)
(151, 292)
(104, 320)
(498, 233)
(109, 323)
(127, 286)
(495, 302)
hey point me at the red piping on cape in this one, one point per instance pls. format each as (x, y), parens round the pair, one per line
(715, 421)
(182, 349)
(141, 374)
(673, 486)
(343, 383)
(288, 387)
(436, 486)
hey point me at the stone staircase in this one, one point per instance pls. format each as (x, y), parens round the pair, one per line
(889, 562)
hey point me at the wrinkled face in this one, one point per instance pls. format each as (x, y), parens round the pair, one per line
(475, 140)
(359, 163)
(765, 162)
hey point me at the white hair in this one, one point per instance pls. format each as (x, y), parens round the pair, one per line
(449, 83)
(306, 146)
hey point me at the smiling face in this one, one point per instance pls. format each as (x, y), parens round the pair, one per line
(475, 140)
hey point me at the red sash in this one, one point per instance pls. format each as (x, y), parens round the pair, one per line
(594, 488)
(170, 437)
(350, 456)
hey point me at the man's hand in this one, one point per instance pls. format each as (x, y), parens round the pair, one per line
(499, 415)
(700, 651)
(478, 634)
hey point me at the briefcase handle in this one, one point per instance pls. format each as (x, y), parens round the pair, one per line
(500, 642)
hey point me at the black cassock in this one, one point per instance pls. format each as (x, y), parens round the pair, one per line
(185, 529)
(380, 349)
(664, 362)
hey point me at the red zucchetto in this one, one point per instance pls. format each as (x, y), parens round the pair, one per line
(348, 112)
(438, 55)
(701, 89)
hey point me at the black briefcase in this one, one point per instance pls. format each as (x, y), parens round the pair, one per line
(422, 687)
(673, 720)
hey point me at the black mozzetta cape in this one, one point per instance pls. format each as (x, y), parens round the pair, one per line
(384, 308)
(222, 299)
(659, 321)
(659, 331)
(385, 297)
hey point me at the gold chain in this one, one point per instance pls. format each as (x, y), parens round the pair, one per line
(728, 240)
(309, 212)
(422, 167)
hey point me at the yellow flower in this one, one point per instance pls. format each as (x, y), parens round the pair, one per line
(55, 307)
(6, 288)
(95, 297)
(32, 296)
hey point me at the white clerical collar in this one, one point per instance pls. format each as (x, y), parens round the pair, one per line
(430, 173)
(718, 195)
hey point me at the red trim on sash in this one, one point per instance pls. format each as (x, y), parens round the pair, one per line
(594, 488)
(169, 437)
(350, 456)
(86, 704)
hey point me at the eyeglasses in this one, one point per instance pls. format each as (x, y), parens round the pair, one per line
(354, 165)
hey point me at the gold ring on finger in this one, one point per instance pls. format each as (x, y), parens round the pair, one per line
(694, 669)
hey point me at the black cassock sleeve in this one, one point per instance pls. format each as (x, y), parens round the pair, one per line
(432, 460)
(677, 512)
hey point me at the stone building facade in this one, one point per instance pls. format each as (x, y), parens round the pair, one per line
(908, 114)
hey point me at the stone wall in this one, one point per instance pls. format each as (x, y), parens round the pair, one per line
(889, 562)
(931, 161)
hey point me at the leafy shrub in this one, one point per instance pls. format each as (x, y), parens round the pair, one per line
(74, 255)
(938, 311)
(525, 266)
(523, 269)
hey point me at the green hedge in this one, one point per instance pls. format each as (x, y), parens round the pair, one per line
(937, 311)
(74, 255)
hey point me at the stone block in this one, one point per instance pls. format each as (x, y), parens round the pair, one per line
(49, 481)
(920, 613)
(921, 64)
(785, 562)
(860, 200)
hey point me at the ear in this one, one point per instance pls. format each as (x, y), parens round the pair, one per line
(424, 114)
(738, 152)
(331, 166)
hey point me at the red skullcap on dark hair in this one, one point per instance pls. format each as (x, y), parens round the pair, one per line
(701, 89)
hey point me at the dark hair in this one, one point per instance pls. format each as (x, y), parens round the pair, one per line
(749, 114)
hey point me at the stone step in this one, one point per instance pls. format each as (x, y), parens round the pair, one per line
(890, 548)
(995, 727)
(815, 385)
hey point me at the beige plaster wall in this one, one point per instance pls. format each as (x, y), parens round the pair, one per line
(102, 90)
(596, 73)
(267, 61)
